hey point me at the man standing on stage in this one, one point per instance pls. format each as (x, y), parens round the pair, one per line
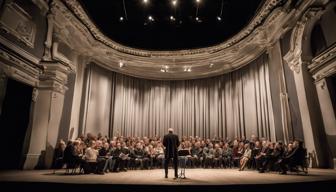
(171, 143)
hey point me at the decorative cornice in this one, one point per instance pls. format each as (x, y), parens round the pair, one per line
(324, 65)
(322, 59)
(55, 77)
(19, 69)
(80, 13)
(19, 50)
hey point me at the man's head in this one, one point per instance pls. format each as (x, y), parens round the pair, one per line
(170, 130)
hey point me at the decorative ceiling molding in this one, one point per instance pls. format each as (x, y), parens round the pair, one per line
(76, 29)
(80, 13)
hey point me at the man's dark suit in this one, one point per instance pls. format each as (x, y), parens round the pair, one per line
(171, 142)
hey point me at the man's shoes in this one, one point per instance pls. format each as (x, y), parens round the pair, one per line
(166, 176)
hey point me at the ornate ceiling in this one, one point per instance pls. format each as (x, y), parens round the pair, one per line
(75, 28)
(172, 27)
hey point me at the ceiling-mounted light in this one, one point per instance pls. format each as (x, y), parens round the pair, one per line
(164, 69)
(121, 64)
(172, 18)
(145, 1)
(121, 19)
(198, 1)
(150, 18)
(174, 3)
(219, 18)
(187, 69)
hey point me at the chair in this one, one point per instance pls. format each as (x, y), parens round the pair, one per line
(58, 164)
(72, 166)
(302, 165)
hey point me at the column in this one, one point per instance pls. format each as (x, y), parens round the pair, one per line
(46, 115)
(314, 137)
(328, 114)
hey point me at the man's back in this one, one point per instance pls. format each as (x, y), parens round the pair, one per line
(171, 142)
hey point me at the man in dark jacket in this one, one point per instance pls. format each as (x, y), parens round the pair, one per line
(171, 143)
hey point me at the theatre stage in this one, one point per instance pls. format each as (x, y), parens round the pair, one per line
(153, 180)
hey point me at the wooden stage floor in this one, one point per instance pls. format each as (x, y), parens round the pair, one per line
(197, 180)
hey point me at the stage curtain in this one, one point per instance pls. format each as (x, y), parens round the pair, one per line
(233, 104)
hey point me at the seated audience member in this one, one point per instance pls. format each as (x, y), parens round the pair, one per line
(105, 155)
(72, 157)
(217, 156)
(124, 157)
(208, 153)
(245, 157)
(227, 156)
(140, 158)
(267, 157)
(237, 152)
(91, 154)
(159, 154)
(151, 155)
(116, 153)
(275, 156)
(295, 157)
(58, 155)
(196, 153)
(260, 158)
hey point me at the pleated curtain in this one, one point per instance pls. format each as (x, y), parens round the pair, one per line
(230, 105)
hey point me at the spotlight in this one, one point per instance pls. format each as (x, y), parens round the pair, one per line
(121, 64)
(174, 3)
(198, 20)
(121, 19)
(172, 18)
(187, 69)
(145, 1)
(219, 18)
(198, 1)
(164, 69)
(150, 18)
